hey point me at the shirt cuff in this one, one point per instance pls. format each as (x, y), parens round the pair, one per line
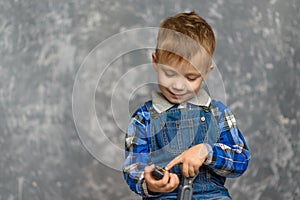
(148, 193)
(209, 158)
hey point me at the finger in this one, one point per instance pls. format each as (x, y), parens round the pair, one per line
(174, 180)
(191, 171)
(153, 184)
(185, 170)
(196, 169)
(149, 168)
(173, 162)
(173, 183)
(162, 182)
(147, 172)
(165, 179)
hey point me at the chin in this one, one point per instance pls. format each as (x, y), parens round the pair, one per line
(176, 101)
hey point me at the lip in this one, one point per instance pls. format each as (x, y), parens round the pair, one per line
(177, 95)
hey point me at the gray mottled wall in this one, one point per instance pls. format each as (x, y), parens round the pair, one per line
(43, 44)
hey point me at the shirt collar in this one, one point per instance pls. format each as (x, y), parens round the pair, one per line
(161, 104)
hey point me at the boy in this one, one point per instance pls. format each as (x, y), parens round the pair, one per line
(181, 128)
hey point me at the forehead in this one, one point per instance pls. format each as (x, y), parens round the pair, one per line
(196, 65)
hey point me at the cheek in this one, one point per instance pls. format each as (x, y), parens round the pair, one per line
(164, 81)
(194, 86)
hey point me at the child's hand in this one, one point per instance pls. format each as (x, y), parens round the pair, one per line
(168, 183)
(191, 159)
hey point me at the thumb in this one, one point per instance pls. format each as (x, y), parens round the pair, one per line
(147, 172)
(149, 168)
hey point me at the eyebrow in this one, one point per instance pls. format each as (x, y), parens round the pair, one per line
(193, 74)
(167, 68)
(170, 69)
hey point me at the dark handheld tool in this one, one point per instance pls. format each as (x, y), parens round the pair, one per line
(158, 172)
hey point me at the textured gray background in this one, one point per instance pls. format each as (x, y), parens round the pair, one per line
(43, 43)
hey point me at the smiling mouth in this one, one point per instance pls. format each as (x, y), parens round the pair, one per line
(177, 95)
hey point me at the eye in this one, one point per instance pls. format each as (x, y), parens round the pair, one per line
(193, 78)
(169, 73)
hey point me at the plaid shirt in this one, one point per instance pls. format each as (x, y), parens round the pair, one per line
(228, 157)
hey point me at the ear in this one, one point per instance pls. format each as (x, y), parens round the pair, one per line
(154, 61)
(210, 68)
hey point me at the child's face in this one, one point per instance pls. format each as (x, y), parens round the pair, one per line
(180, 82)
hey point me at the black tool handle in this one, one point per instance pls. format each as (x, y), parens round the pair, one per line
(158, 173)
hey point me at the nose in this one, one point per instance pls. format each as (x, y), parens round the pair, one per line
(179, 84)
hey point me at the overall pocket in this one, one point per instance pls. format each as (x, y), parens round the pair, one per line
(178, 136)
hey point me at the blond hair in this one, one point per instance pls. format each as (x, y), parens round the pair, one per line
(184, 35)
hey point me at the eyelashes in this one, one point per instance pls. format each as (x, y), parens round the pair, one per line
(169, 73)
(188, 77)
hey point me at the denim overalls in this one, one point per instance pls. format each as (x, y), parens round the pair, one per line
(176, 130)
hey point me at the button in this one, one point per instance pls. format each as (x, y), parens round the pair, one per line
(202, 119)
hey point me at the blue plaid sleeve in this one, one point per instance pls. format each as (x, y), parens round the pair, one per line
(137, 150)
(230, 155)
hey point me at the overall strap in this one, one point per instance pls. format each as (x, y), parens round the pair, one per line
(213, 134)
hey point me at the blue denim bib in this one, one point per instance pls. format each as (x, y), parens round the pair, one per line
(175, 131)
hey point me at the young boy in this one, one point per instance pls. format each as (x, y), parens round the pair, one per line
(182, 129)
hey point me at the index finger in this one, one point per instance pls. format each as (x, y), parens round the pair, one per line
(173, 162)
